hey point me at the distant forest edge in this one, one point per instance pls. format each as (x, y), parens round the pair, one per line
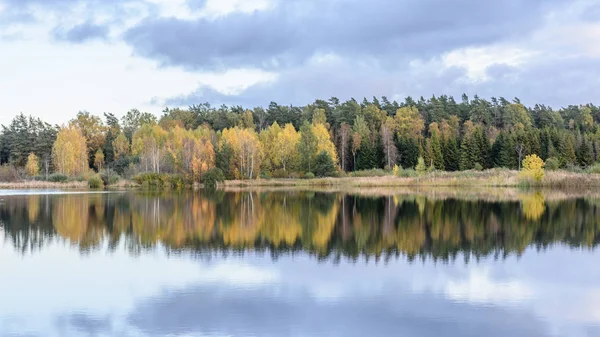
(325, 138)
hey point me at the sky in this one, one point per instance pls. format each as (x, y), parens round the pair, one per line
(58, 57)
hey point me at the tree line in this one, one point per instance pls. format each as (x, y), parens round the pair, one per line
(322, 138)
(327, 225)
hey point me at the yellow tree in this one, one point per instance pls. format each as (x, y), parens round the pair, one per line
(149, 143)
(268, 139)
(319, 117)
(99, 160)
(324, 142)
(69, 152)
(121, 146)
(32, 167)
(93, 129)
(287, 146)
(247, 149)
(191, 152)
(409, 122)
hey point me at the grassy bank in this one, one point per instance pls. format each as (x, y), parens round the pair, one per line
(25, 185)
(487, 178)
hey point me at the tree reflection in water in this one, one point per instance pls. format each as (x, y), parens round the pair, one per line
(328, 225)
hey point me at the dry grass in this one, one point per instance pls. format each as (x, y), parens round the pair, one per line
(23, 185)
(487, 178)
(491, 194)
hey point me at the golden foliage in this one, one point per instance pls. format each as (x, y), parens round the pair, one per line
(69, 152)
(533, 166)
(324, 142)
(409, 122)
(247, 149)
(121, 146)
(533, 205)
(32, 167)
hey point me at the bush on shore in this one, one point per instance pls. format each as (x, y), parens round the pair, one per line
(160, 180)
(8, 174)
(212, 177)
(95, 182)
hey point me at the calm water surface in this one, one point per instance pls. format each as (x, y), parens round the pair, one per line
(292, 263)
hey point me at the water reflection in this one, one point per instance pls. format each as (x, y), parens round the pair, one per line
(298, 263)
(323, 224)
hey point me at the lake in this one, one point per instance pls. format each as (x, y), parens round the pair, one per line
(366, 262)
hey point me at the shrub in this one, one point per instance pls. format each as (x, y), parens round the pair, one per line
(324, 166)
(421, 168)
(574, 168)
(309, 175)
(109, 178)
(478, 167)
(396, 170)
(295, 175)
(552, 164)
(95, 181)
(533, 166)
(408, 173)
(280, 173)
(58, 178)
(123, 164)
(212, 177)
(8, 174)
(370, 173)
(594, 169)
(176, 181)
(159, 180)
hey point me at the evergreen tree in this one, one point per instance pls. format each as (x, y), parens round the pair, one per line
(585, 154)
(451, 154)
(566, 151)
(224, 160)
(324, 166)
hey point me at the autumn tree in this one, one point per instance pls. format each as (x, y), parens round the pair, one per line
(409, 122)
(247, 149)
(149, 143)
(94, 131)
(387, 138)
(32, 167)
(99, 160)
(287, 147)
(69, 152)
(121, 146)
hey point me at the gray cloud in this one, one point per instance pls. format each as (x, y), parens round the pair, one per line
(293, 31)
(259, 313)
(81, 33)
(557, 82)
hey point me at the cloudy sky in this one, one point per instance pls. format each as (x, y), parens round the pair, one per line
(61, 56)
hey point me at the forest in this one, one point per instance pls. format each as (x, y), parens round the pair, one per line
(325, 138)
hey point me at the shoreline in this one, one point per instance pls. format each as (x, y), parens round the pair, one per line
(488, 178)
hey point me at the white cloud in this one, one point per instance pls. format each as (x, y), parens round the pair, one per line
(235, 81)
(212, 8)
(54, 82)
(477, 60)
(216, 8)
(480, 288)
(237, 274)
